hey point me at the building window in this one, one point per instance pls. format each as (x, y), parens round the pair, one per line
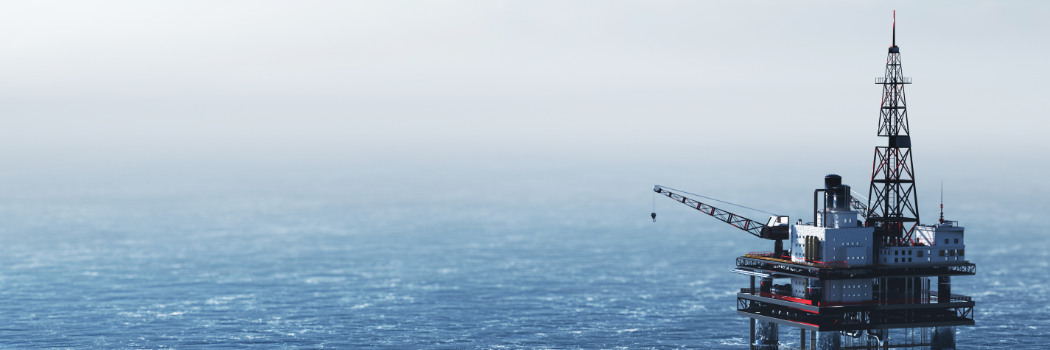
(894, 259)
(909, 252)
(951, 252)
(920, 253)
(942, 252)
(956, 241)
(945, 241)
(909, 259)
(895, 252)
(960, 252)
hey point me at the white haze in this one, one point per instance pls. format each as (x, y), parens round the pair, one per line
(747, 101)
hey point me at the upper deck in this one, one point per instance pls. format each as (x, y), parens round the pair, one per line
(763, 263)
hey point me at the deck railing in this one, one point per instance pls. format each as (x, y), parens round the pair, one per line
(930, 300)
(815, 263)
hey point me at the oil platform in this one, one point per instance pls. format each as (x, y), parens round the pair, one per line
(858, 276)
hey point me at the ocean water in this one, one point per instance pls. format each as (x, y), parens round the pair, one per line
(230, 266)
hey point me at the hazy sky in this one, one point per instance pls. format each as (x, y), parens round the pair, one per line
(669, 91)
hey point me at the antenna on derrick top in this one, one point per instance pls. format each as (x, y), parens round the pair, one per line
(894, 27)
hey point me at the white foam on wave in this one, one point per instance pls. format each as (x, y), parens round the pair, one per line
(225, 299)
(316, 280)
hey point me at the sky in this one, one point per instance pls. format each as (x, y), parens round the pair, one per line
(752, 101)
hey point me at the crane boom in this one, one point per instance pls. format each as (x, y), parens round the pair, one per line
(776, 228)
(856, 204)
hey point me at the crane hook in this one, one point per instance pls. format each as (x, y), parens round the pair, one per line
(654, 203)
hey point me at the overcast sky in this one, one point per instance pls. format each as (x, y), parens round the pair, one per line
(673, 91)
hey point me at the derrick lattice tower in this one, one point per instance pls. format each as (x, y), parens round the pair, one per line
(893, 207)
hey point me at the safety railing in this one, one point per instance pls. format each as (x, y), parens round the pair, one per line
(814, 263)
(902, 80)
(758, 292)
(931, 299)
(828, 263)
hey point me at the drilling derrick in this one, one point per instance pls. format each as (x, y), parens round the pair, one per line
(856, 277)
(893, 208)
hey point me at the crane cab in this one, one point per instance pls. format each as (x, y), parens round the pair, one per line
(778, 228)
(776, 220)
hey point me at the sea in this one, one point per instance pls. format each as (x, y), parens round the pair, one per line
(327, 261)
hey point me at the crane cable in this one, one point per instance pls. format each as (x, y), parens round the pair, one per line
(858, 194)
(654, 206)
(717, 200)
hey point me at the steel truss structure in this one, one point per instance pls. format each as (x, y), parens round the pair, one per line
(859, 206)
(893, 204)
(750, 226)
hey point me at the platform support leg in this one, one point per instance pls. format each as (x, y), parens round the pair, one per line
(751, 339)
(943, 338)
(828, 340)
(767, 336)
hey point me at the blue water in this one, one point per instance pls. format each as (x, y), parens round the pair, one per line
(229, 266)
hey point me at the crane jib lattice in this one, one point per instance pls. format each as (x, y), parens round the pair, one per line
(751, 226)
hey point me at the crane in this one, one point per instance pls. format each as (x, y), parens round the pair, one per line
(776, 228)
(859, 206)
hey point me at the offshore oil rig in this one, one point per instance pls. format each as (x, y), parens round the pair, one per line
(858, 276)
